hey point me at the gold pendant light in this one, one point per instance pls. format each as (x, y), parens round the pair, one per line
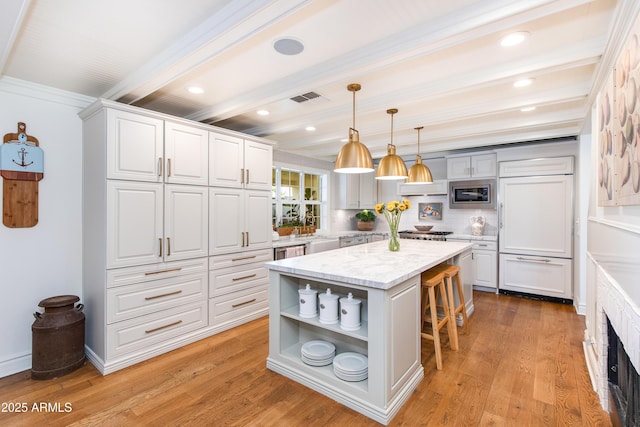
(391, 166)
(419, 173)
(354, 156)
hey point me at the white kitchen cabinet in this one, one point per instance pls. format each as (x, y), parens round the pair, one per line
(479, 268)
(239, 163)
(146, 235)
(146, 226)
(135, 146)
(436, 188)
(476, 166)
(356, 191)
(238, 287)
(485, 260)
(239, 220)
(186, 150)
(144, 148)
(390, 342)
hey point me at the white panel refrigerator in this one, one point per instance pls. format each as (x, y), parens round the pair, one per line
(536, 227)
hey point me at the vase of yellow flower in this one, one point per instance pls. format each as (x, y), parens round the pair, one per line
(392, 212)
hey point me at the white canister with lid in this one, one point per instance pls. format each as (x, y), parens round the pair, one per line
(350, 313)
(328, 307)
(308, 302)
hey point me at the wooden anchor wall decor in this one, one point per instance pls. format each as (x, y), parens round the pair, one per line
(21, 166)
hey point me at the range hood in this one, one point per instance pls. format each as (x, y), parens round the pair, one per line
(438, 187)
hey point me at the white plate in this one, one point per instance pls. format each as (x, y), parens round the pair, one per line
(351, 362)
(312, 362)
(318, 349)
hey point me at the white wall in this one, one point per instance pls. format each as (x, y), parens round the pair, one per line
(45, 260)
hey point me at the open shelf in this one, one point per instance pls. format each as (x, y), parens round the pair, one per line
(361, 334)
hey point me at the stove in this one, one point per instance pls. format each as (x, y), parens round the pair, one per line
(425, 235)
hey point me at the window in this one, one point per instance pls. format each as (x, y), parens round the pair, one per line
(298, 197)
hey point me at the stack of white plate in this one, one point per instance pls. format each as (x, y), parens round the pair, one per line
(318, 353)
(351, 366)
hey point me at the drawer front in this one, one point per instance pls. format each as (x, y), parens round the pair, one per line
(126, 302)
(484, 245)
(144, 332)
(536, 275)
(147, 273)
(241, 258)
(235, 278)
(233, 306)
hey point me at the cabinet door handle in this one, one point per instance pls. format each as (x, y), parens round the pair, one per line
(242, 239)
(168, 168)
(159, 166)
(520, 258)
(235, 279)
(247, 238)
(150, 331)
(241, 176)
(243, 303)
(501, 217)
(162, 296)
(168, 246)
(247, 176)
(170, 270)
(160, 240)
(243, 258)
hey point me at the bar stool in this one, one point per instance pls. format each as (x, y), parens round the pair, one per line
(450, 273)
(433, 283)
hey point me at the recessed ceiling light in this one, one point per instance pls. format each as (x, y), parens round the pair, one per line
(310, 128)
(527, 109)
(514, 38)
(262, 112)
(288, 46)
(523, 83)
(195, 89)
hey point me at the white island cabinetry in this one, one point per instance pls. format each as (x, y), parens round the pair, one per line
(388, 283)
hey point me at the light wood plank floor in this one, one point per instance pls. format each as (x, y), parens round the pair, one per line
(521, 365)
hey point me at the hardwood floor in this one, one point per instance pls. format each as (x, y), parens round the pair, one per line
(521, 365)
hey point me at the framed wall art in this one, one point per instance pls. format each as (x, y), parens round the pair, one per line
(430, 211)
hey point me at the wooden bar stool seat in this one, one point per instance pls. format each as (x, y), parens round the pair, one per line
(451, 273)
(433, 283)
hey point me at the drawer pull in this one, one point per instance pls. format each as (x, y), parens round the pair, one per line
(150, 331)
(531, 259)
(483, 245)
(243, 303)
(235, 279)
(162, 296)
(243, 258)
(163, 271)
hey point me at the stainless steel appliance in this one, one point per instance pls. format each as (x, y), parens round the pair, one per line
(424, 235)
(476, 194)
(289, 251)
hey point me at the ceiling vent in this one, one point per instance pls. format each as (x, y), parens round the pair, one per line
(305, 97)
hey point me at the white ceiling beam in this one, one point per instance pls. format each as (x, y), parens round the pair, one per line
(13, 13)
(240, 20)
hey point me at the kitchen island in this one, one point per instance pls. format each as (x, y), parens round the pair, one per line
(388, 284)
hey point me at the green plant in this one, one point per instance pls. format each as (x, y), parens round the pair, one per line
(366, 216)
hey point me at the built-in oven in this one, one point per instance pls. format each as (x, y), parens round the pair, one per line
(474, 194)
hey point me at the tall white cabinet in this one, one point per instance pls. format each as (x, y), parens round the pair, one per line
(146, 236)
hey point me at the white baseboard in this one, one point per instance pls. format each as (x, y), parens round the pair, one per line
(15, 365)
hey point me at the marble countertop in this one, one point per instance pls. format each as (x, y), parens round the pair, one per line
(472, 237)
(284, 241)
(372, 264)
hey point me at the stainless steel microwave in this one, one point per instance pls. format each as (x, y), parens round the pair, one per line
(475, 194)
